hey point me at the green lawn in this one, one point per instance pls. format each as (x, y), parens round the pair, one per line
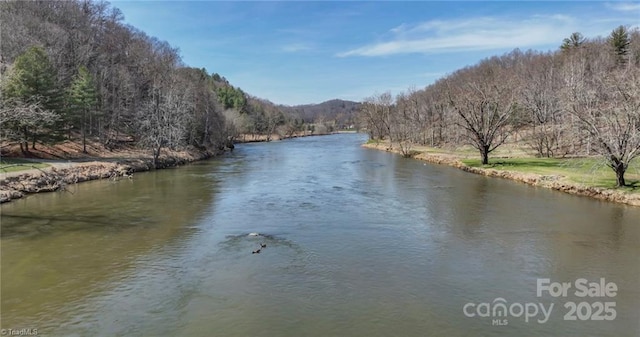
(591, 171)
(588, 171)
(17, 164)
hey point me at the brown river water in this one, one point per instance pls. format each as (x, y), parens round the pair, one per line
(358, 243)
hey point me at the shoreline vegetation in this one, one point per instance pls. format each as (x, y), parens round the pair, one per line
(80, 85)
(20, 177)
(577, 176)
(564, 106)
(23, 176)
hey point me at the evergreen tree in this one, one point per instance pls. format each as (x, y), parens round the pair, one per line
(620, 41)
(33, 79)
(31, 86)
(574, 41)
(82, 98)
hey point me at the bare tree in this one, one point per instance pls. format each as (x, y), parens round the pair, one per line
(273, 118)
(163, 120)
(367, 116)
(376, 113)
(404, 122)
(18, 119)
(607, 104)
(540, 85)
(484, 103)
(421, 121)
(436, 113)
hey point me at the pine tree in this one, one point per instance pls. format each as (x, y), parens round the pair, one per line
(32, 79)
(620, 41)
(574, 41)
(31, 86)
(82, 98)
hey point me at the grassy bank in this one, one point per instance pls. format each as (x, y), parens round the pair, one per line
(19, 164)
(581, 176)
(588, 171)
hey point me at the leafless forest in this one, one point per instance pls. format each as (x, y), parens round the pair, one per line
(74, 70)
(580, 100)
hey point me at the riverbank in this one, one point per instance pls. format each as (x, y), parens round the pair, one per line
(60, 173)
(256, 138)
(53, 168)
(558, 179)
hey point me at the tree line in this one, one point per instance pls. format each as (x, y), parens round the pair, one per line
(581, 99)
(75, 70)
(333, 114)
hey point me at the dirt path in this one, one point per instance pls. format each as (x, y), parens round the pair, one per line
(57, 164)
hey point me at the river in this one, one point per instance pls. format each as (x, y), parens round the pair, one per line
(358, 243)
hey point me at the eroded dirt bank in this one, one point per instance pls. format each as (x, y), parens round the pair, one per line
(69, 165)
(555, 182)
(59, 174)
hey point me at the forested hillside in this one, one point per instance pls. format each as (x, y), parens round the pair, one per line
(74, 70)
(338, 113)
(581, 99)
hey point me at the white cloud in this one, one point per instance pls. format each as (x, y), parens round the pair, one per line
(625, 6)
(296, 47)
(482, 33)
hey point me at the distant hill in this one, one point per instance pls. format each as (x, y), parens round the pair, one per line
(342, 112)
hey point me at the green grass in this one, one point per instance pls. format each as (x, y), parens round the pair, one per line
(587, 171)
(17, 164)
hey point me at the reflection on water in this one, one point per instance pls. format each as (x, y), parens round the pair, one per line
(59, 247)
(357, 242)
(254, 239)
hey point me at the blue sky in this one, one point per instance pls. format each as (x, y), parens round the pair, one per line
(298, 52)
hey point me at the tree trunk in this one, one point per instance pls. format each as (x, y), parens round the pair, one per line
(156, 155)
(620, 179)
(484, 152)
(24, 140)
(33, 140)
(84, 141)
(619, 168)
(84, 132)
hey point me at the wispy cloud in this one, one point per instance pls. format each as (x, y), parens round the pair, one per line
(481, 33)
(624, 6)
(296, 47)
(432, 74)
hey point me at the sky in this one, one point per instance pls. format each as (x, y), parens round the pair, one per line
(303, 52)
